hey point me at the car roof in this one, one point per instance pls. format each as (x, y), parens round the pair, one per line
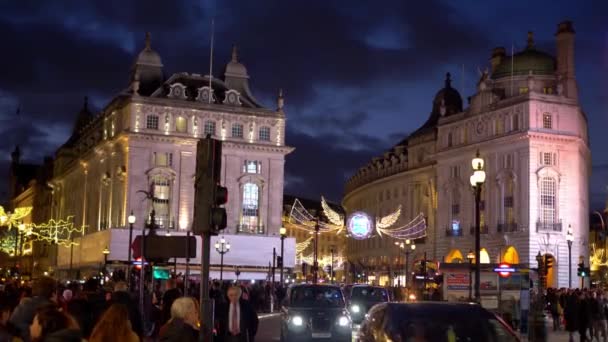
(369, 286)
(438, 308)
(315, 285)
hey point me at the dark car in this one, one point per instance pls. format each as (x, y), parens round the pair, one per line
(315, 312)
(363, 297)
(433, 321)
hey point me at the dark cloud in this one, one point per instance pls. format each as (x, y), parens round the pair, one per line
(356, 75)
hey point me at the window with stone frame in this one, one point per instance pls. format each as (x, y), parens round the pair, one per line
(152, 121)
(162, 159)
(181, 124)
(547, 121)
(548, 200)
(252, 166)
(250, 220)
(209, 128)
(264, 134)
(161, 200)
(508, 201)
(515, 122)
(237, 130)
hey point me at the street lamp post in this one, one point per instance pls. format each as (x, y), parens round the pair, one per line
(105, 252)
(131, 220)
(331, 270)
(569, 239)
(477, 179)
(283, 233)
(470, 257)
(222, 247)
(407, 251)
(315, 266)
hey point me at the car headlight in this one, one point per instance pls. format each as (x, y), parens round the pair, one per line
(297, 321)
(355, 308)
(343, 321)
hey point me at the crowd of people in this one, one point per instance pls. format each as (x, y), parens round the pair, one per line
(46, 311)
(579, 311)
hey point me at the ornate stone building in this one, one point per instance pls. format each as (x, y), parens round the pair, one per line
(139, 154)
(527, 124)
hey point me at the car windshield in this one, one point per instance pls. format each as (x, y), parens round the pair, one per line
(462, 328)
(370, 294)
(316, 296)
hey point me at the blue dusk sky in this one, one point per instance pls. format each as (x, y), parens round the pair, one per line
(358, 76)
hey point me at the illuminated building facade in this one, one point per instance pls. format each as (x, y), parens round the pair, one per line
(526, 121)
(139, 154)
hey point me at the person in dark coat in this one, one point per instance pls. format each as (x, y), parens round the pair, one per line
(122, 296)
(238, 321)
(584, 316)
(170, 295)
(44, 292)
(182, 326)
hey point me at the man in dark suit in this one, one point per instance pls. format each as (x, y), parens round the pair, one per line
(238, 322)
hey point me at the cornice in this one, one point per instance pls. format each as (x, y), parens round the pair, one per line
(258, 147)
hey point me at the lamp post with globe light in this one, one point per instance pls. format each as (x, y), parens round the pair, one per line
(283, 233)
(477, 179)
(131, 219)
(407, 248)
(569, 239)
(222, 247)
(470, 257)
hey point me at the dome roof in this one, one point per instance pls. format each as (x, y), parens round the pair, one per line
(234, 68)
(448, 97)
(530, 59)
(148, 56)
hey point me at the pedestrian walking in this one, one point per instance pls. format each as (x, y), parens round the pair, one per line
(238, 321)
(44, 292)
(51, 325)
(114, 325)
(183, 324)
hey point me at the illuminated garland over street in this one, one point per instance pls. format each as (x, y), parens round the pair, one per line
(307, 221)
(12, 219)
(388, 220)
(301, 246)
(333, 216)
(415, 229)
(55, 231)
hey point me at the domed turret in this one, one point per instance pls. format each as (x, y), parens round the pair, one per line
(448, 100)
(234, 68)
(147, 70)
(530, 59)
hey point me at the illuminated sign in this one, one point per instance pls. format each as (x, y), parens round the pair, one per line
(360, 225)
(504, 270)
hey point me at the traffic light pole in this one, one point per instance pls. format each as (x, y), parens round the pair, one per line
(206, 302)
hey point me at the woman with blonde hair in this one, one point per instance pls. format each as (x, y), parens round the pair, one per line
(114, 325)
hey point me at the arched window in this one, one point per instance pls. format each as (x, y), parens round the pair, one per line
(181, 124)
(548, 212)
(251, 210)
(161, 198)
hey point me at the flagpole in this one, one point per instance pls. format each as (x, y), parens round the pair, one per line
(211, 59)
(512, 66)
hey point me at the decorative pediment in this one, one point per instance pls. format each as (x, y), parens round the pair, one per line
(251, 178)
(505, 174)
(205, 94)
(232, 98)
(177, 91)
(161, 171)
(548, 171)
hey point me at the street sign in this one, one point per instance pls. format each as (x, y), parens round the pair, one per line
(165, 247)
(504, 270)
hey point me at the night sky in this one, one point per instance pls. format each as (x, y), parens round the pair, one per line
(358, 75)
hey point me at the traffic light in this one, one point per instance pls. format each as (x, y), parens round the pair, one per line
(279, 261)
(581, 270)
(209, 195)
(549, 260)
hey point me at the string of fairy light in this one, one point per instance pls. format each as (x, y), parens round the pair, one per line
(56, 231)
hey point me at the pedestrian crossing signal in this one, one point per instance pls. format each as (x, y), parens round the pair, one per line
(581, 270)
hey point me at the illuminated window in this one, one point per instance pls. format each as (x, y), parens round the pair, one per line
(181, 125)
(250, 210)
(500, 125)
(162, 159)
(548, 90)
(264, 134)
(523, 90)
(237, 130)
(547, 121)
(252, 166)
(209, 128)
(508, 202)
(548, 200)
(152, 122)
(161, 197)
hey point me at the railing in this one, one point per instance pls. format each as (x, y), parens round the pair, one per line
(251, 229)
(453, 232)
(482, 229)
(507, 227)
(548, 226)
